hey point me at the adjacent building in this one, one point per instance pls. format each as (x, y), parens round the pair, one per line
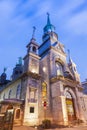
(45, 86)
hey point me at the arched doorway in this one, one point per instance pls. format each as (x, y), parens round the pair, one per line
(70, 106)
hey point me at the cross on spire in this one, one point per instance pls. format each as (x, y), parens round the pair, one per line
(69, 55)
(4, 70)
(33, 35)
(48, 19)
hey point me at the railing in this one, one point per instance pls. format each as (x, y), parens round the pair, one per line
(32, 100)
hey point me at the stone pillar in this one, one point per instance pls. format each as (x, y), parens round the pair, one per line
(64, 110)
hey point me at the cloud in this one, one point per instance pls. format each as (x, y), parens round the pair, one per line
(78, 23)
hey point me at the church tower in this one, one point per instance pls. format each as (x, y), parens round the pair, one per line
(31, 81)
(31, 60)
(59, 80)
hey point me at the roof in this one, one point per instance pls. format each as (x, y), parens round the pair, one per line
(12, 101)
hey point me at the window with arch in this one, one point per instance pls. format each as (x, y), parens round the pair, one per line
(9, 95)
(18, 91)
(34, 49)
(70, 105)
(44, 90)
(59, 68)
(17, 113)
(68, 95)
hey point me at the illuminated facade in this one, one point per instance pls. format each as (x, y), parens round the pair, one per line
(46, 86)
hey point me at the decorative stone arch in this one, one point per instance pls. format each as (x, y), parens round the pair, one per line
(57, 59)
(73, 104)
(59, 66)
(17, 113)
(67, 89)
(10, 106)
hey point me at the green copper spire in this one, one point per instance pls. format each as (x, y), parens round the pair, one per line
(49, 27)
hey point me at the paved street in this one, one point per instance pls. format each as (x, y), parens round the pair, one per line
(23, 128)
(30, 128)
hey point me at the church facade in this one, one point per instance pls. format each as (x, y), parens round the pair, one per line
(45, 86)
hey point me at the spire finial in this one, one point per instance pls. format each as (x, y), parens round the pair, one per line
(20, 60)
(69, 55)
(48, 19)
(4, 70)
(33, 35)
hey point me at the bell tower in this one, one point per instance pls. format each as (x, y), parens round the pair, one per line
(49, 36)
(31, 60)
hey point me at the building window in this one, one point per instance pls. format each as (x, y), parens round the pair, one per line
(34, 49)
(4, 96)
(59, 69)
(68, 95)
(17, 114)
(33, 95)
(31, 109)
(18, 92)
(44, 90)
(9, 95)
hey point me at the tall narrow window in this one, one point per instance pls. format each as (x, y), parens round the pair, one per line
(59, 68)
(44, 90)
(33, 95)
(9, 95)
(31, 109)
(4, 96)
(34, 49)
(17, 113)
(18, 92)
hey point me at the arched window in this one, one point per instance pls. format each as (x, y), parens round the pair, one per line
(34, 49)
(44, 90)
(9, 95)
(70, 106)
(68, 95)
(18, 92)
(59, 68)
(17, 114)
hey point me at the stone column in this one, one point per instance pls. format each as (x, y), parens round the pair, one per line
(64, 110)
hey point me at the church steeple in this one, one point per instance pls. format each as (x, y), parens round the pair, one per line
(49, 27)
(33, 34)
(48, 19)
(49, 37)
(33, 46)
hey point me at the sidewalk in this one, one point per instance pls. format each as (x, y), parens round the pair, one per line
(31, 128)
(23, 128)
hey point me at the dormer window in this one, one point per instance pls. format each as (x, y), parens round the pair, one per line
(59, 69)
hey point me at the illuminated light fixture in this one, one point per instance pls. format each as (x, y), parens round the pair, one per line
(33, 70)
(44, 69)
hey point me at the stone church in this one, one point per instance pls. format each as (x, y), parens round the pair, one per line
(45, 86)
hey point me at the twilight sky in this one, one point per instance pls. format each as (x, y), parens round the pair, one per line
(17, 17)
